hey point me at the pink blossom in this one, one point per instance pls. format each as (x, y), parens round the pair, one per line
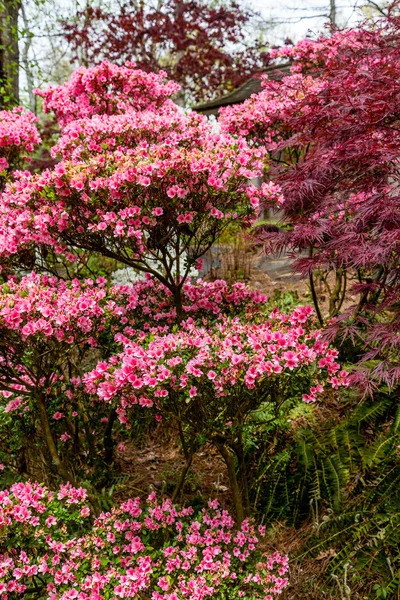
(58, 415)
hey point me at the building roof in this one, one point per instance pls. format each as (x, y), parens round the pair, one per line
(247, 89)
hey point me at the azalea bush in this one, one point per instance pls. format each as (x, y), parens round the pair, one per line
(52, 332)
(138, 181)
(18, 137)
(209, 380)
(50, 545)
(47, 329)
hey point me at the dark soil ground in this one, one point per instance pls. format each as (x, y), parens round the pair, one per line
(158, 465)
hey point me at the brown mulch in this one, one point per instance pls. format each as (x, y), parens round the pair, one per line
(158, 465)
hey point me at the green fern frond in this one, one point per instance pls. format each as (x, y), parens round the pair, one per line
(378, 450)
(368, 413)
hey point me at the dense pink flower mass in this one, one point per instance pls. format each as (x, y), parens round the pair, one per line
(18, 135)
(51, 307)
(125, 131)
(266, 117)
(48, 541)
(108, 89)
(46, 327)
(68, 310)
(149, 305)
(59, 318)
(123, 198)
(232, 358)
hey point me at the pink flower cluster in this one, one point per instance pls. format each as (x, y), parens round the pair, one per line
(44, 317)
(324, 51)
(108, 89)
(151, 303)
(232, 358)
(48, 307)
(263, 116)
(122, 132)
(173, 554)
(70, 310)
(18, 135)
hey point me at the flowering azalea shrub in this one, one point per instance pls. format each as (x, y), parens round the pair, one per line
(18, 135)
(138, 182)
(52, 332)
(108, 89)
(334, 126)
(168, 204)
(49, 546)
(47, 328)
(147, 186)
(264, 117)
(255, 349)
(210, 380)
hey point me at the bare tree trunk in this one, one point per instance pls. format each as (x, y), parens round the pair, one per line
(182, 478)
(9, 53)
(61, 467)
(62, 470)
(229, 458)
(332, 13)
(237, 447)
(25, 61)
(108, 441)
(178, 305)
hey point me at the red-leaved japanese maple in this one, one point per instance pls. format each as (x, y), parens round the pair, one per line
(333, 129)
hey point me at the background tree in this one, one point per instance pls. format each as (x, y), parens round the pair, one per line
(9, 53)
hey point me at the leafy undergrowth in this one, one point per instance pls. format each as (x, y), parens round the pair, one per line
(330, 491)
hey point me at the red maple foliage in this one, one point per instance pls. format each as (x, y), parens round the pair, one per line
(206, 49)
(334, 125)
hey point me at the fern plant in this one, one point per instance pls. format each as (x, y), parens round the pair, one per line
(342, 476)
